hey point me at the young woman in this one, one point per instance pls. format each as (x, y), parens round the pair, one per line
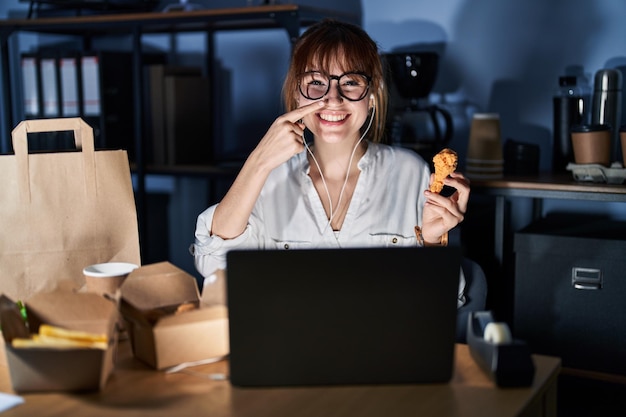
(320, 176)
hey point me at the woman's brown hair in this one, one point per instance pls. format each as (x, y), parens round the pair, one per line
(330, 41)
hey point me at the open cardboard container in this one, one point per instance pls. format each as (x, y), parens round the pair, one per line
(167, 320)
(52, 369)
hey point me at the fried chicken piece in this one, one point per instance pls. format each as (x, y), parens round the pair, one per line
(445, 163)
(186, 307)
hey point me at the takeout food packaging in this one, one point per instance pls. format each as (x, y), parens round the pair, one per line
(167, 320)
(60, 369)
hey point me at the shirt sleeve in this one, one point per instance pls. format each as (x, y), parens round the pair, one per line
(209, 250)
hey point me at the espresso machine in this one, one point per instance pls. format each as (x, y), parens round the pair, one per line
(413, 122)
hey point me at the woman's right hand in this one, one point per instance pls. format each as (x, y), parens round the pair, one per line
(284, 138)
(282, 141)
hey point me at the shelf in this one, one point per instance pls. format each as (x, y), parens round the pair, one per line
(291, 17)
(549, 186)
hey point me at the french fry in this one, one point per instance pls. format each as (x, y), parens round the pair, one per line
(60, 338)
(58, 332)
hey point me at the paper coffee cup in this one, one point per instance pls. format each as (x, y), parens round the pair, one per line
(485, 158)
(592, 144)
(106, 278)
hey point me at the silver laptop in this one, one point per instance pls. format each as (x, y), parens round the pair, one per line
(342, 316)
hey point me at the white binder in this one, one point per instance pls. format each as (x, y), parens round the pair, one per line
(49, 87)
(69, 86)
(30, 86)
(90, 66)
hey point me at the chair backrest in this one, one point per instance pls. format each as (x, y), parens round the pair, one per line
(475, 293)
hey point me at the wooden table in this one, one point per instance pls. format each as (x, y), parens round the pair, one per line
(136, 390)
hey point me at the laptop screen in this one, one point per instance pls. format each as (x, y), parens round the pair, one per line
(342, 316)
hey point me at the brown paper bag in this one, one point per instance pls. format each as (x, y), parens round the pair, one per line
(62, 211)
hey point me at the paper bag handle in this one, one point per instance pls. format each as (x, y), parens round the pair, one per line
(83, 138)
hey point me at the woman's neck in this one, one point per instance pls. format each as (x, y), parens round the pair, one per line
(335, 172)
(335, 159)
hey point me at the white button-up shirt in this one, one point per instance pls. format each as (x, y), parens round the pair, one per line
(386, 206)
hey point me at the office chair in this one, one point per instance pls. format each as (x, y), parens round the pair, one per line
(475, 293)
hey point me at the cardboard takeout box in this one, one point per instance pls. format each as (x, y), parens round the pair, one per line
(60, 369)
(167, 322)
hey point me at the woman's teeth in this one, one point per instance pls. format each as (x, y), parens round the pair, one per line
(332, 117)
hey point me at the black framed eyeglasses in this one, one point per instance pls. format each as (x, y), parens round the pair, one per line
(352, 86)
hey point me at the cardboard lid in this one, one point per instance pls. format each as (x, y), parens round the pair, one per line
(199, 315)
(159, 285)
(72, 310)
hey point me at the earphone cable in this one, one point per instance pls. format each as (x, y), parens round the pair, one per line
(343, 187)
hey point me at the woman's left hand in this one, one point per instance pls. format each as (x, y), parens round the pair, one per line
(441, 214)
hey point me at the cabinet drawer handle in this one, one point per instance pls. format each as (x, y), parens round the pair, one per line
(586, 278)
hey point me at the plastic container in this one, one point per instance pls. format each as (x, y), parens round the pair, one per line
(521, 158)
(606, 108)
(568, 110)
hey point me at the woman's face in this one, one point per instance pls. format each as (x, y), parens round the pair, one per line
(341, 119)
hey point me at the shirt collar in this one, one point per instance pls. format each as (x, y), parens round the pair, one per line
(303, 162)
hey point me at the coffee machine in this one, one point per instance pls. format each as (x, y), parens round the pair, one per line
(413, 122)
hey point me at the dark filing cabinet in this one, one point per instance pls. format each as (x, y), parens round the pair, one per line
(570, 291)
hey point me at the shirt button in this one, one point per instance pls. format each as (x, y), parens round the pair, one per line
(286, 245)
(394, 240)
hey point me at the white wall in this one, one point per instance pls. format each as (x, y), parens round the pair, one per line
(506, 56)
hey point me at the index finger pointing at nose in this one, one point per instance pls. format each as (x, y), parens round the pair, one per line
(300, 112)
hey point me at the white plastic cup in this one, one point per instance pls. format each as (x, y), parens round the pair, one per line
(106, 278)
